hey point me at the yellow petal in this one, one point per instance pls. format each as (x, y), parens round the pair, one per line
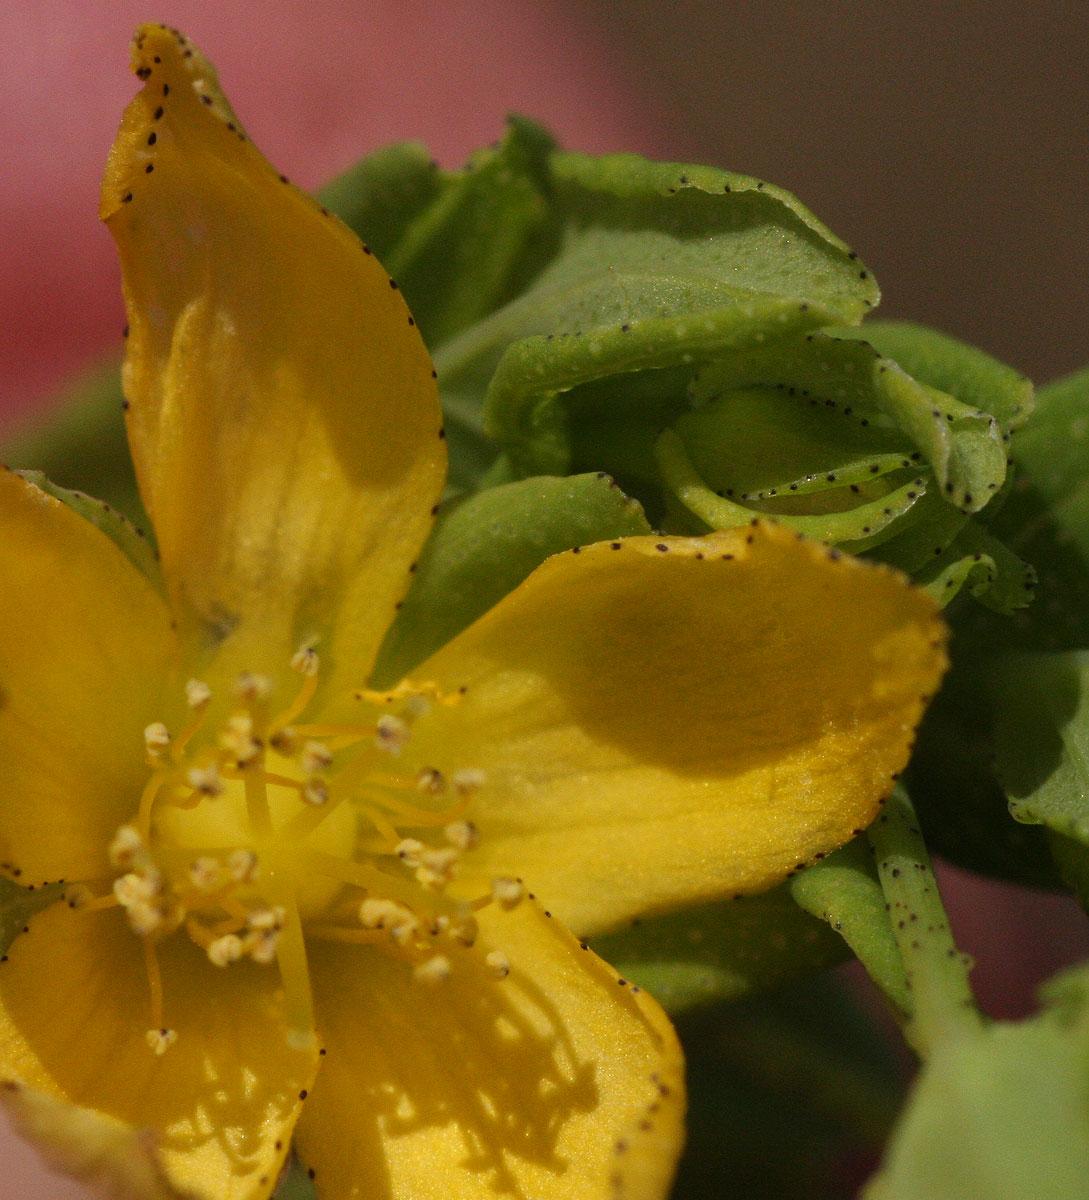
(283, 416)
(559, 1082)
(116, 1158)
(85, 643)
(219, 1105)
(662, 722)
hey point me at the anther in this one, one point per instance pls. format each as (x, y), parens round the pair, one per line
(205, 779)
(125, 847)
(464, 929)
(156, 739)
(253, 687)
(160, 1040)
(409, 850)
(305, 661)
(242, 865)
(197, 693)
(437, 867)
(467, 781)
(431, 781)
(237, 738)
(316, 792)
(284, 741)
(315, 758)
(225, 950)
(507, 893)
(391, 734)
(462, 834)
(433, 971)
(205, 874)
(498, 963)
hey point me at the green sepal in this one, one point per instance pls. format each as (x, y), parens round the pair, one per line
(129, 539)
(81, 443)
(1042, 739)
(381, 195)
(1002, 1113)
(962, 444)
(960, 370)
(487, 229)
(718, 952)
(843, 890)
(484, 545)
(18, 904)
(658, 265)
(991, 572)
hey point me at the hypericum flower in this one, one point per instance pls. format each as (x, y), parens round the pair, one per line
(301, 907)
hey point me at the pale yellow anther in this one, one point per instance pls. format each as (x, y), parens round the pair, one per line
(464, 929)
(315, 758)
(133, 889)
(315, 791)
(252, 686)
(126, 846)
(498, 963)
(284, 741)
(433, 971)
(379, 912)
(408, 850)
(205, 779)
(238, 739)
(431, 781)
(225, 950)
(462, 834)
(506, 892)
(305, 661)
(264, 918)
(391, 734)
(157, 739)
(262, 946)
(242, 865)
(205, 874)
(145, 919)
(160, 1040)
(197, 693)
(404, 927)
(467, 781)
(437, 868)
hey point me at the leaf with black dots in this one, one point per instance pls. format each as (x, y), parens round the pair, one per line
(657, 265)
(485, 545)
(18, 904)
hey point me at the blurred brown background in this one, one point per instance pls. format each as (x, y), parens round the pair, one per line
(947, 142)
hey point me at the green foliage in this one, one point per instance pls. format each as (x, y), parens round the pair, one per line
(484, 546)
(1001, 1113)
(18, 904)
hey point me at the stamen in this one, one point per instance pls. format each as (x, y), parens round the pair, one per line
(431, 781)
(252, 687)
(306, 662)
(507, 893)
(433, 971)
(126, 846)
(408, 850)
(160, 1040)
(205, 780)
(462, 834)
(205, 874)
(225, 950)
(468, 781)
(156, 740)
(242, 866)
(391, 734)
(155, 985)
(315, 758)
(498, 963)
(197, 694)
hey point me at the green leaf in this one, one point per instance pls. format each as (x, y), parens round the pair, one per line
(974, 377)
(18, 904)
(844, 890)
(81, 442)
(130, 540)
(1042, 740)
(721, 951)
(383, 194)
(658, 265)
(485, 545)
(486, 230)
(1002, 1114)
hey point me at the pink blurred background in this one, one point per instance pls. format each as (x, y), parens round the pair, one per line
(947, 143)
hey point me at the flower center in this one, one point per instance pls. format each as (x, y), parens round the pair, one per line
(263, 830)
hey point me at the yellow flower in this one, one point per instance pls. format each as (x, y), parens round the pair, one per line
(300, 908)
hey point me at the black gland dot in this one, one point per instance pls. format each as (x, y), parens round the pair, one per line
(152, 138)
(158, 112)
(206, 99)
